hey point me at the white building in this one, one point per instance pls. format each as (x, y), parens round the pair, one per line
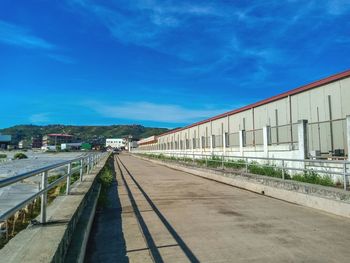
(309, 121)
(115, 143)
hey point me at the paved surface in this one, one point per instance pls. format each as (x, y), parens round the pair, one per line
(164, 215)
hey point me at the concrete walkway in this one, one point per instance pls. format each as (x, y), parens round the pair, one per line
(171, 216)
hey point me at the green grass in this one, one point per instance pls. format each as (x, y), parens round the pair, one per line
(314, 178)
(2, 156)
(105, 178)
(267, 170)
(254, 168)
(235, 164)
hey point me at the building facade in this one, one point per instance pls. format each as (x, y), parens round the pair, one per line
(274, 127)
(55, 139)
(116, 143)
(5, 141)
(37, 142)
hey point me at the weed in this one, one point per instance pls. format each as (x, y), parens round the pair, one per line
(314, 178)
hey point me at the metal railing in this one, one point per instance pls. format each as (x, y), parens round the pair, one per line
(84, 163)
(325, 167)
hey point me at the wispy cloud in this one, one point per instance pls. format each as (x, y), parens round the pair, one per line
(19, 36)
(62, 58)
(39, 118)
(337, 7)
(146, 111)
(214, 37)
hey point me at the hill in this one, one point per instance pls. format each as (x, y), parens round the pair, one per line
(83, 133)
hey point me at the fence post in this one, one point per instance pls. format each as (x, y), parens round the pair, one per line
(81, 169)
(241, 142)
(222, 161)
(283, 170)
(68, 178)
(87, 165)
(224, 142)
(266, 136)
(348, 134)
(246, 164)
(43, 198)
(345, 177)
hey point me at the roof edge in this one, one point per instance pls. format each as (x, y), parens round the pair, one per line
(295, 91)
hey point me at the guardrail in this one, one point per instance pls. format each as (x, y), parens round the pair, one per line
(85, 162)
(328, 167)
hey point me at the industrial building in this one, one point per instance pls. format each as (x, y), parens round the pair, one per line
(309, 121)
(5, 141)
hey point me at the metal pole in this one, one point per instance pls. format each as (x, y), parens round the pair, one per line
(89, 164)
(222, 161)
(344, 172)
(43, 198)
(246, 164)
(68, 178)
(81, 169)
(283, 169)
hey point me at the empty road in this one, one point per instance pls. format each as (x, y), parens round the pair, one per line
(157, 214)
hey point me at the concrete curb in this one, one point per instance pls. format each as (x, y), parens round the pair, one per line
(78, 244)
(330, 205)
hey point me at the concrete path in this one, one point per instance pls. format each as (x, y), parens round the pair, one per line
(172, 216)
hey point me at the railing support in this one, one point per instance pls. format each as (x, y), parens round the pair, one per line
(345, 177)
(68, 178)
(81, 169)
(283, 170)
(222, 162)
(246, 164)
(43, 198)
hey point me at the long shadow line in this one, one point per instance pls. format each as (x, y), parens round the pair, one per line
(171, 230)
(150, 242)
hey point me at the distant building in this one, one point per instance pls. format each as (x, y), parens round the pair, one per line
(23, 144)
(115, 143)
(71, 146)
(132, 145)
(5, 141)
(56, 139)
(37, 142)
(149, 142)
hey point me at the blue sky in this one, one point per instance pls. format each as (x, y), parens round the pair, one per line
(160, 63)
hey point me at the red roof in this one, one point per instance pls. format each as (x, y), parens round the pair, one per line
(300, 89)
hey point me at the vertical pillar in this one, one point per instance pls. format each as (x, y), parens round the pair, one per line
(302, 139)
(266, 131)
(211, 144)
(348, 134)
(224, 142)
(69, 172)
(43, 198)
(241, 142)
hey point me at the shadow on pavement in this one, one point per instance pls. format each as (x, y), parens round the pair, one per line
(106, 242)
